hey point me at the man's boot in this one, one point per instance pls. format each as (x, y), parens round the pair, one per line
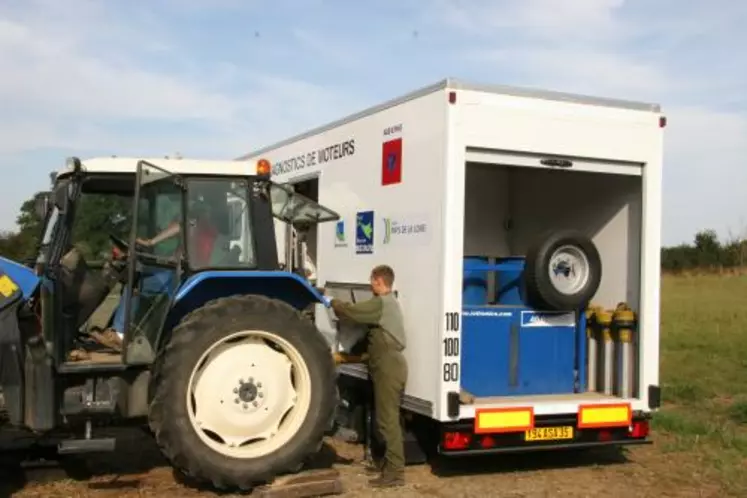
(373, 467)
(389, 478)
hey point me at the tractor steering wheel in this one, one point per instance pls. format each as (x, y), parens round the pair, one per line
(119, 243)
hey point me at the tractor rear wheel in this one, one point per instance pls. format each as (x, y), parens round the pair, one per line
(243, 391)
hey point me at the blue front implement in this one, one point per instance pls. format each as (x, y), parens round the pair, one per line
(23, 276)
(509, 348)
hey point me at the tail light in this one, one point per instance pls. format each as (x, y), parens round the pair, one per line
(487, 442)
(604, 436)
(457, 440)
(639, 429)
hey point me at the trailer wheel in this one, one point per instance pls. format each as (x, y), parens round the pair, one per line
(243, 391)
(563, 271)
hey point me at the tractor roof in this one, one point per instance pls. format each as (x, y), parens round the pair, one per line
(175, 165)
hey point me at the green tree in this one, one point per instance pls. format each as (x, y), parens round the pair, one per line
(21, 244)
(97, 216)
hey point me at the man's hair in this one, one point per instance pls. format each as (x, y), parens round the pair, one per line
(385, 273)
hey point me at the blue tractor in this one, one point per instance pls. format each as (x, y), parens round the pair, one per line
(185, 321)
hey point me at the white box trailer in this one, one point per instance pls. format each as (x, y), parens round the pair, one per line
(479, 197)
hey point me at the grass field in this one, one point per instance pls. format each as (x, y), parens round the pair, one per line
(704, 374)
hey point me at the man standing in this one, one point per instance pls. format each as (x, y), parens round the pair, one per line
(386, 365)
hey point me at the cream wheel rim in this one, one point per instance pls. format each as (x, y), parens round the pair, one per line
(249, 394)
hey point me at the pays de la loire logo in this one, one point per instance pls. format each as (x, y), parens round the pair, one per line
(340, 238)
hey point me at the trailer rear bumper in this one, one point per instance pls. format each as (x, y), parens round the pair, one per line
(547, 433)
(545, 447)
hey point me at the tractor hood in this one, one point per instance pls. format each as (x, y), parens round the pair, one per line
(16, 281)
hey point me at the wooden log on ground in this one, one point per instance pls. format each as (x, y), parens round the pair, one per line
(303, 484)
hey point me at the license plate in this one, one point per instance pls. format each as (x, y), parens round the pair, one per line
(549, 433)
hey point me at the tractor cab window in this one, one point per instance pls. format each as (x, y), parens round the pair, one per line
(99, 215)
(219, 231)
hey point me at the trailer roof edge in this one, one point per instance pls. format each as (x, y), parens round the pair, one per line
(457, 84)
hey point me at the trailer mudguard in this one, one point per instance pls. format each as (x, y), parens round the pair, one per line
(11, 365)
(206, 286)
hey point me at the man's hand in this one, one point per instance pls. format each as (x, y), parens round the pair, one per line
(336, 304)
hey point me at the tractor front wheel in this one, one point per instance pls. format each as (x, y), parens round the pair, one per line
(243, 391)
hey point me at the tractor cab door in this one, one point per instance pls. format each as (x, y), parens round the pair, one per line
(155, 259)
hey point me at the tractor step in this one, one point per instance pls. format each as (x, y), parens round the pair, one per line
(78, 446)
(301, 485)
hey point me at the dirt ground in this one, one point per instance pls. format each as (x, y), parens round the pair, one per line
(137, 470)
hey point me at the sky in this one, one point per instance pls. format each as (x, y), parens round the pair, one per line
(219, 78)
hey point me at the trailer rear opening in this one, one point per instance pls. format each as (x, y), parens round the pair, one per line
(517, 349)
(541, 351)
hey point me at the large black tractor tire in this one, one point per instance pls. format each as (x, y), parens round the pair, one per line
(170, 421)
(563, 271)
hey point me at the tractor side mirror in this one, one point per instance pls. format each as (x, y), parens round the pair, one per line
(41, 204)
(117, 220)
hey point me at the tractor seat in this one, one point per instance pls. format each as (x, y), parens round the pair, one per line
(84, 290)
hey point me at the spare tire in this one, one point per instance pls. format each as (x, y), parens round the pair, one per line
(563, 271)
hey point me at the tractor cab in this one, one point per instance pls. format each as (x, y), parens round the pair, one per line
(118, 245)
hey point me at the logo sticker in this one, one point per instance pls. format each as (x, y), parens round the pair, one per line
(364, 232)
(340, 239)
(413, 228)
(391, 162)
(387, 230)
(7, 286)
(547, 319)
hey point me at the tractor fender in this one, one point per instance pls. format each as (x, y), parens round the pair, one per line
(205, 286)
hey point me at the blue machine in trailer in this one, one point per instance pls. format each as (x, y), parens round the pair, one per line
(509, 347)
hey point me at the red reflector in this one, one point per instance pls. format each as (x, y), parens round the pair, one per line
(452, 97)
(605, 436)
(639, 429)
(456, 440)
(662, 121)
(487, 442)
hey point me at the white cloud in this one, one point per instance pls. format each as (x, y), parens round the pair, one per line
(85, 79)
(67, 85)
(681, 55)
